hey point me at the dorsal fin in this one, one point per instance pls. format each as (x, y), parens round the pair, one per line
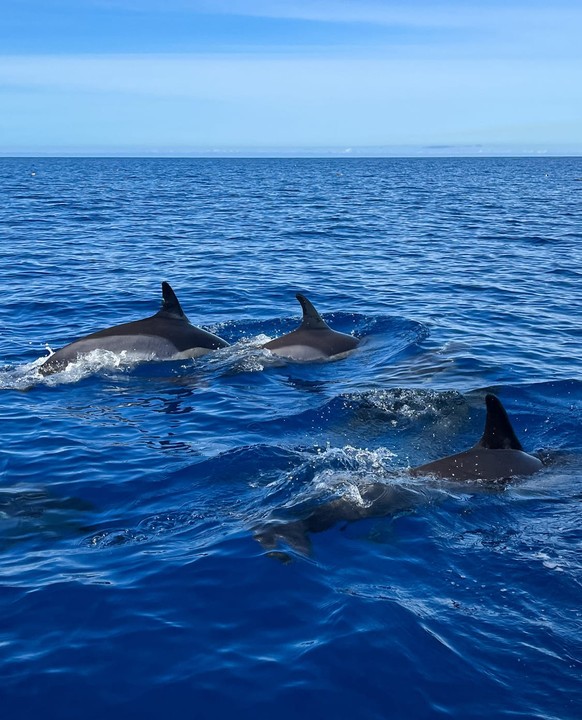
(498, 433)
(312, 320)
(170, 303)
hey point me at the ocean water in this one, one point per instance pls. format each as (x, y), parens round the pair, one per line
(131, 582)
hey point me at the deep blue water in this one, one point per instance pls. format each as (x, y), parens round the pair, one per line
(131, 583)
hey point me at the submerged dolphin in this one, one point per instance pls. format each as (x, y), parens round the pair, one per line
(313, 339)
(27, 512)
(375, 500)
(497, 456)
(167, 335)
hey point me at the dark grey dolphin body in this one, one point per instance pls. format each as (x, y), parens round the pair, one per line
(313, 339)
(166, 335)
(376, 500)
(497, 456)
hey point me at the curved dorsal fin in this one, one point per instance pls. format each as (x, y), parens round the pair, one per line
(498, 433)
(312, 320)
(170, 303)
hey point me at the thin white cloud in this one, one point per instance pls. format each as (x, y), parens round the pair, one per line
(247, 76)
(208, 101)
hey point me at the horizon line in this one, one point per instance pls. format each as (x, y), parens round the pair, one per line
(410, 151)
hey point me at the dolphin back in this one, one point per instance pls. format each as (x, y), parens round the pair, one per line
(166, 335)
(497, 456)
(313, 340)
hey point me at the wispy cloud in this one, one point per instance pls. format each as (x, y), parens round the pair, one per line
(502, 24)
(508, 28)
(418, 13)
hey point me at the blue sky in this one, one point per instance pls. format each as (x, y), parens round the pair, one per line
(189, 77)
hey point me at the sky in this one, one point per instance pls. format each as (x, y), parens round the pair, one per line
(290, 77)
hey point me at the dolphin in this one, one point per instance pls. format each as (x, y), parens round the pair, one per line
(167, 335)
(497, 456)
(313, 339)
(27, 511)
(375, 500)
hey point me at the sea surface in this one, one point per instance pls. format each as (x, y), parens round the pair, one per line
(132, 584)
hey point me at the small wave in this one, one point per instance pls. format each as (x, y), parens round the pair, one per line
(329, 472)
(22, 377)
(411, 404)
(98, 361)
(245, 356)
